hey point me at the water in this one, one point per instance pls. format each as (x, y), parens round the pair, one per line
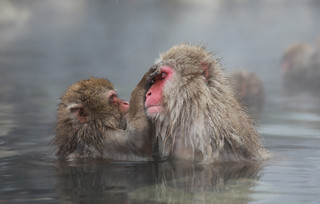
(47, 45)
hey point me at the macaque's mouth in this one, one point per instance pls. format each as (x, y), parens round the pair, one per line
(154, 109)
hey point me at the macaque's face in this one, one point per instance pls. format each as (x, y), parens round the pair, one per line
(154, 95)
(94, 99)
(122, 105)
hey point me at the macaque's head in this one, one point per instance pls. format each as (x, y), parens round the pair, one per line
(295, 57)
(180, 70)
(92, 100)
(87, 109)
(247, 85)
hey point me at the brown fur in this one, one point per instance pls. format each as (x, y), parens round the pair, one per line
(202, 120)
(249, 90)
(101, 135)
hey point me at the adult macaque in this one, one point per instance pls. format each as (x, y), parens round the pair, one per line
(92, 122)
(195, 113)
(249, 89)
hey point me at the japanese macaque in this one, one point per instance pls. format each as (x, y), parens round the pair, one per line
(249, 90)
(195, 113)
(295, 64)
(92, 122)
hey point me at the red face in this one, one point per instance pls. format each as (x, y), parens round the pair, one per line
(153, 101)
(123, 105)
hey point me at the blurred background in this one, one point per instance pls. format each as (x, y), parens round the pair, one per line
(47, 45)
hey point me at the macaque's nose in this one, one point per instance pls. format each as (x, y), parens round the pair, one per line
(148, 94)
(125, 103)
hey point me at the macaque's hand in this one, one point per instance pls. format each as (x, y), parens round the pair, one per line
(153, 72)
(147, 79)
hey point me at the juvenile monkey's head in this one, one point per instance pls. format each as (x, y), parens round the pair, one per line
(87, 109)
(92, 100)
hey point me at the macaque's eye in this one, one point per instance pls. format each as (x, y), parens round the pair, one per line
(112, 97)
(73, 110)
(163, 75)
(160, 76)
(151, 82)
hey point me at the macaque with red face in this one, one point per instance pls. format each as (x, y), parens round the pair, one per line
(92, 122)
(195, 113)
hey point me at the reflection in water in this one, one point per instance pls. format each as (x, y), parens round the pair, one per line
(101, 181)
(7, 124)
(182, 182)
(166, 182)
(6, 121)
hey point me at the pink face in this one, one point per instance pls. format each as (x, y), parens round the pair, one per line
(153, 101)
(123, 105)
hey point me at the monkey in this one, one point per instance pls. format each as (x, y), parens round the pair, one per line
(295, 64)
(92, 122)
(249, 90)
(195, 113)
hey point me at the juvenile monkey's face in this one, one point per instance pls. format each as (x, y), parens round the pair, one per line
(154, 96)
(93, 99)
(122, 105)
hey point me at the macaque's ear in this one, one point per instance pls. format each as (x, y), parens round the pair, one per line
(78, 112)
(205, 67)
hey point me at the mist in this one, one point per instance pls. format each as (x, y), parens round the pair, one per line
(52, 44)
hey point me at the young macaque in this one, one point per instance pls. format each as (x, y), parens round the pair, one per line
(249, 89)
(195, 113)
(92, 122)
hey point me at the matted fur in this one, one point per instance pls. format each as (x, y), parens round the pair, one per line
(201, 119)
